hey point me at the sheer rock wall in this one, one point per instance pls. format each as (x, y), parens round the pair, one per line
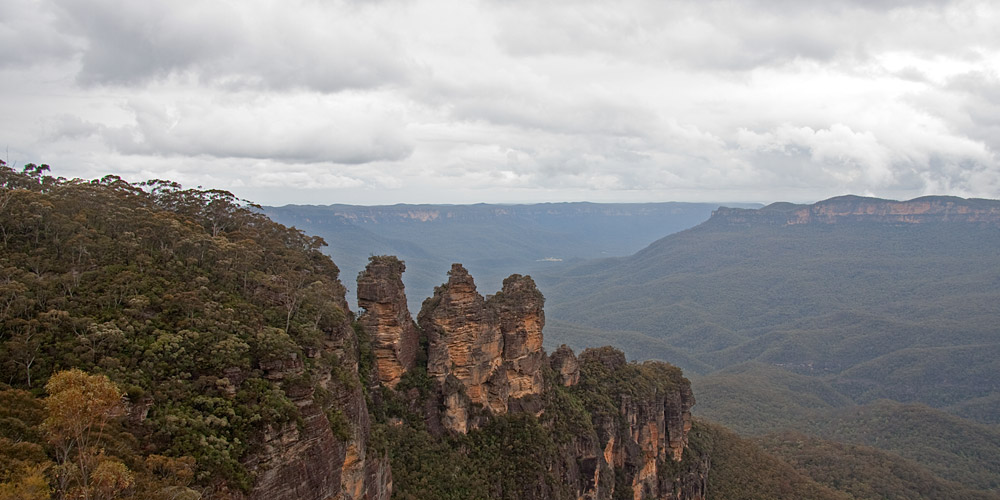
(386, 317)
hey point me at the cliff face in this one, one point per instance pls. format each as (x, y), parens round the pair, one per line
(386, 317)
(842, 209)
(564, 363)
(493, 347)
(646, 438)
(309, 460)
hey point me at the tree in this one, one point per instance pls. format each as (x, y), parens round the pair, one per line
(79, 408)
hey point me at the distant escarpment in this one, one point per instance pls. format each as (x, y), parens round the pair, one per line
(843, 209)
(503, 419)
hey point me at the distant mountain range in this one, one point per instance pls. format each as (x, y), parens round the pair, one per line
(492, 241)
(861, 320)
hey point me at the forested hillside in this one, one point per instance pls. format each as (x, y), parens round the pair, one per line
(167, 343)
(880, 308)
(793, 315)
(201, 341)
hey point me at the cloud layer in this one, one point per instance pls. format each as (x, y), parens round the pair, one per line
(512, 101)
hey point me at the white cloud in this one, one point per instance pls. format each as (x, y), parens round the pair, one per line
(248, 44)
(454, 101)
(302, 128)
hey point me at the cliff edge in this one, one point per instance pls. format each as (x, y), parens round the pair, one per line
(842, 209)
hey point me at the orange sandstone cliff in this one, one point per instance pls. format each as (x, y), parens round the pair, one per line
(492, 346)
(384, 314)
(307, 460)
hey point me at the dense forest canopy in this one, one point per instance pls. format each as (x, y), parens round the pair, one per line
(175, 296)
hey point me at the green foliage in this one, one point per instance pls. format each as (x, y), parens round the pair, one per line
(875, 310)
(863, 472)
(427, 467)
(606, 379)
(184, 298)
(755, 398)
(742, 471)
(339, 424)
(953, 448)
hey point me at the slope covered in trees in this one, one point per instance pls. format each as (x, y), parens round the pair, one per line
(220, 327)
(792, 315)
(876, 308)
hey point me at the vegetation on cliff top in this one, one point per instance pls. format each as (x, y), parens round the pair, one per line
(180, 297)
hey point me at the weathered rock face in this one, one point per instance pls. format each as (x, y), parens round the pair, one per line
(564, 363)
(492, 346)
(649, 429)
(309, 461)
(387, 319)
(485, 358)
(841, 209)
(464, 338)
(519, 307)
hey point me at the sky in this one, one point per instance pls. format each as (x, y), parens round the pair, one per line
(509, 101)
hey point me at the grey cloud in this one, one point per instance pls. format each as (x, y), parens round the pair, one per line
(273, 129)
(739, 36)
(552, 114)
(64, 126)
(914, 161)
(979, 97)
(27, 37)
(242, 45)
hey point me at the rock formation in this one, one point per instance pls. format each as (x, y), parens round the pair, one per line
(650, 426)
(386, 318)
(923, 210)
(307, 460)
(492, 346)
(485, 359)
(564, 363)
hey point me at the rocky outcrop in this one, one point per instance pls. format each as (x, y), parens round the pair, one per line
(842, 209)
(493, 346)
(519, 308)
(649, 429)
(325, 455)
(621, 428)
(387, 319)
(564, 363)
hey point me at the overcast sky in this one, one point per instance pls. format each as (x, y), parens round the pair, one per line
(380, 102)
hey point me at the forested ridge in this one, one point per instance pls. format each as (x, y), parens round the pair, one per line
(176, 296)
(860, 321)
